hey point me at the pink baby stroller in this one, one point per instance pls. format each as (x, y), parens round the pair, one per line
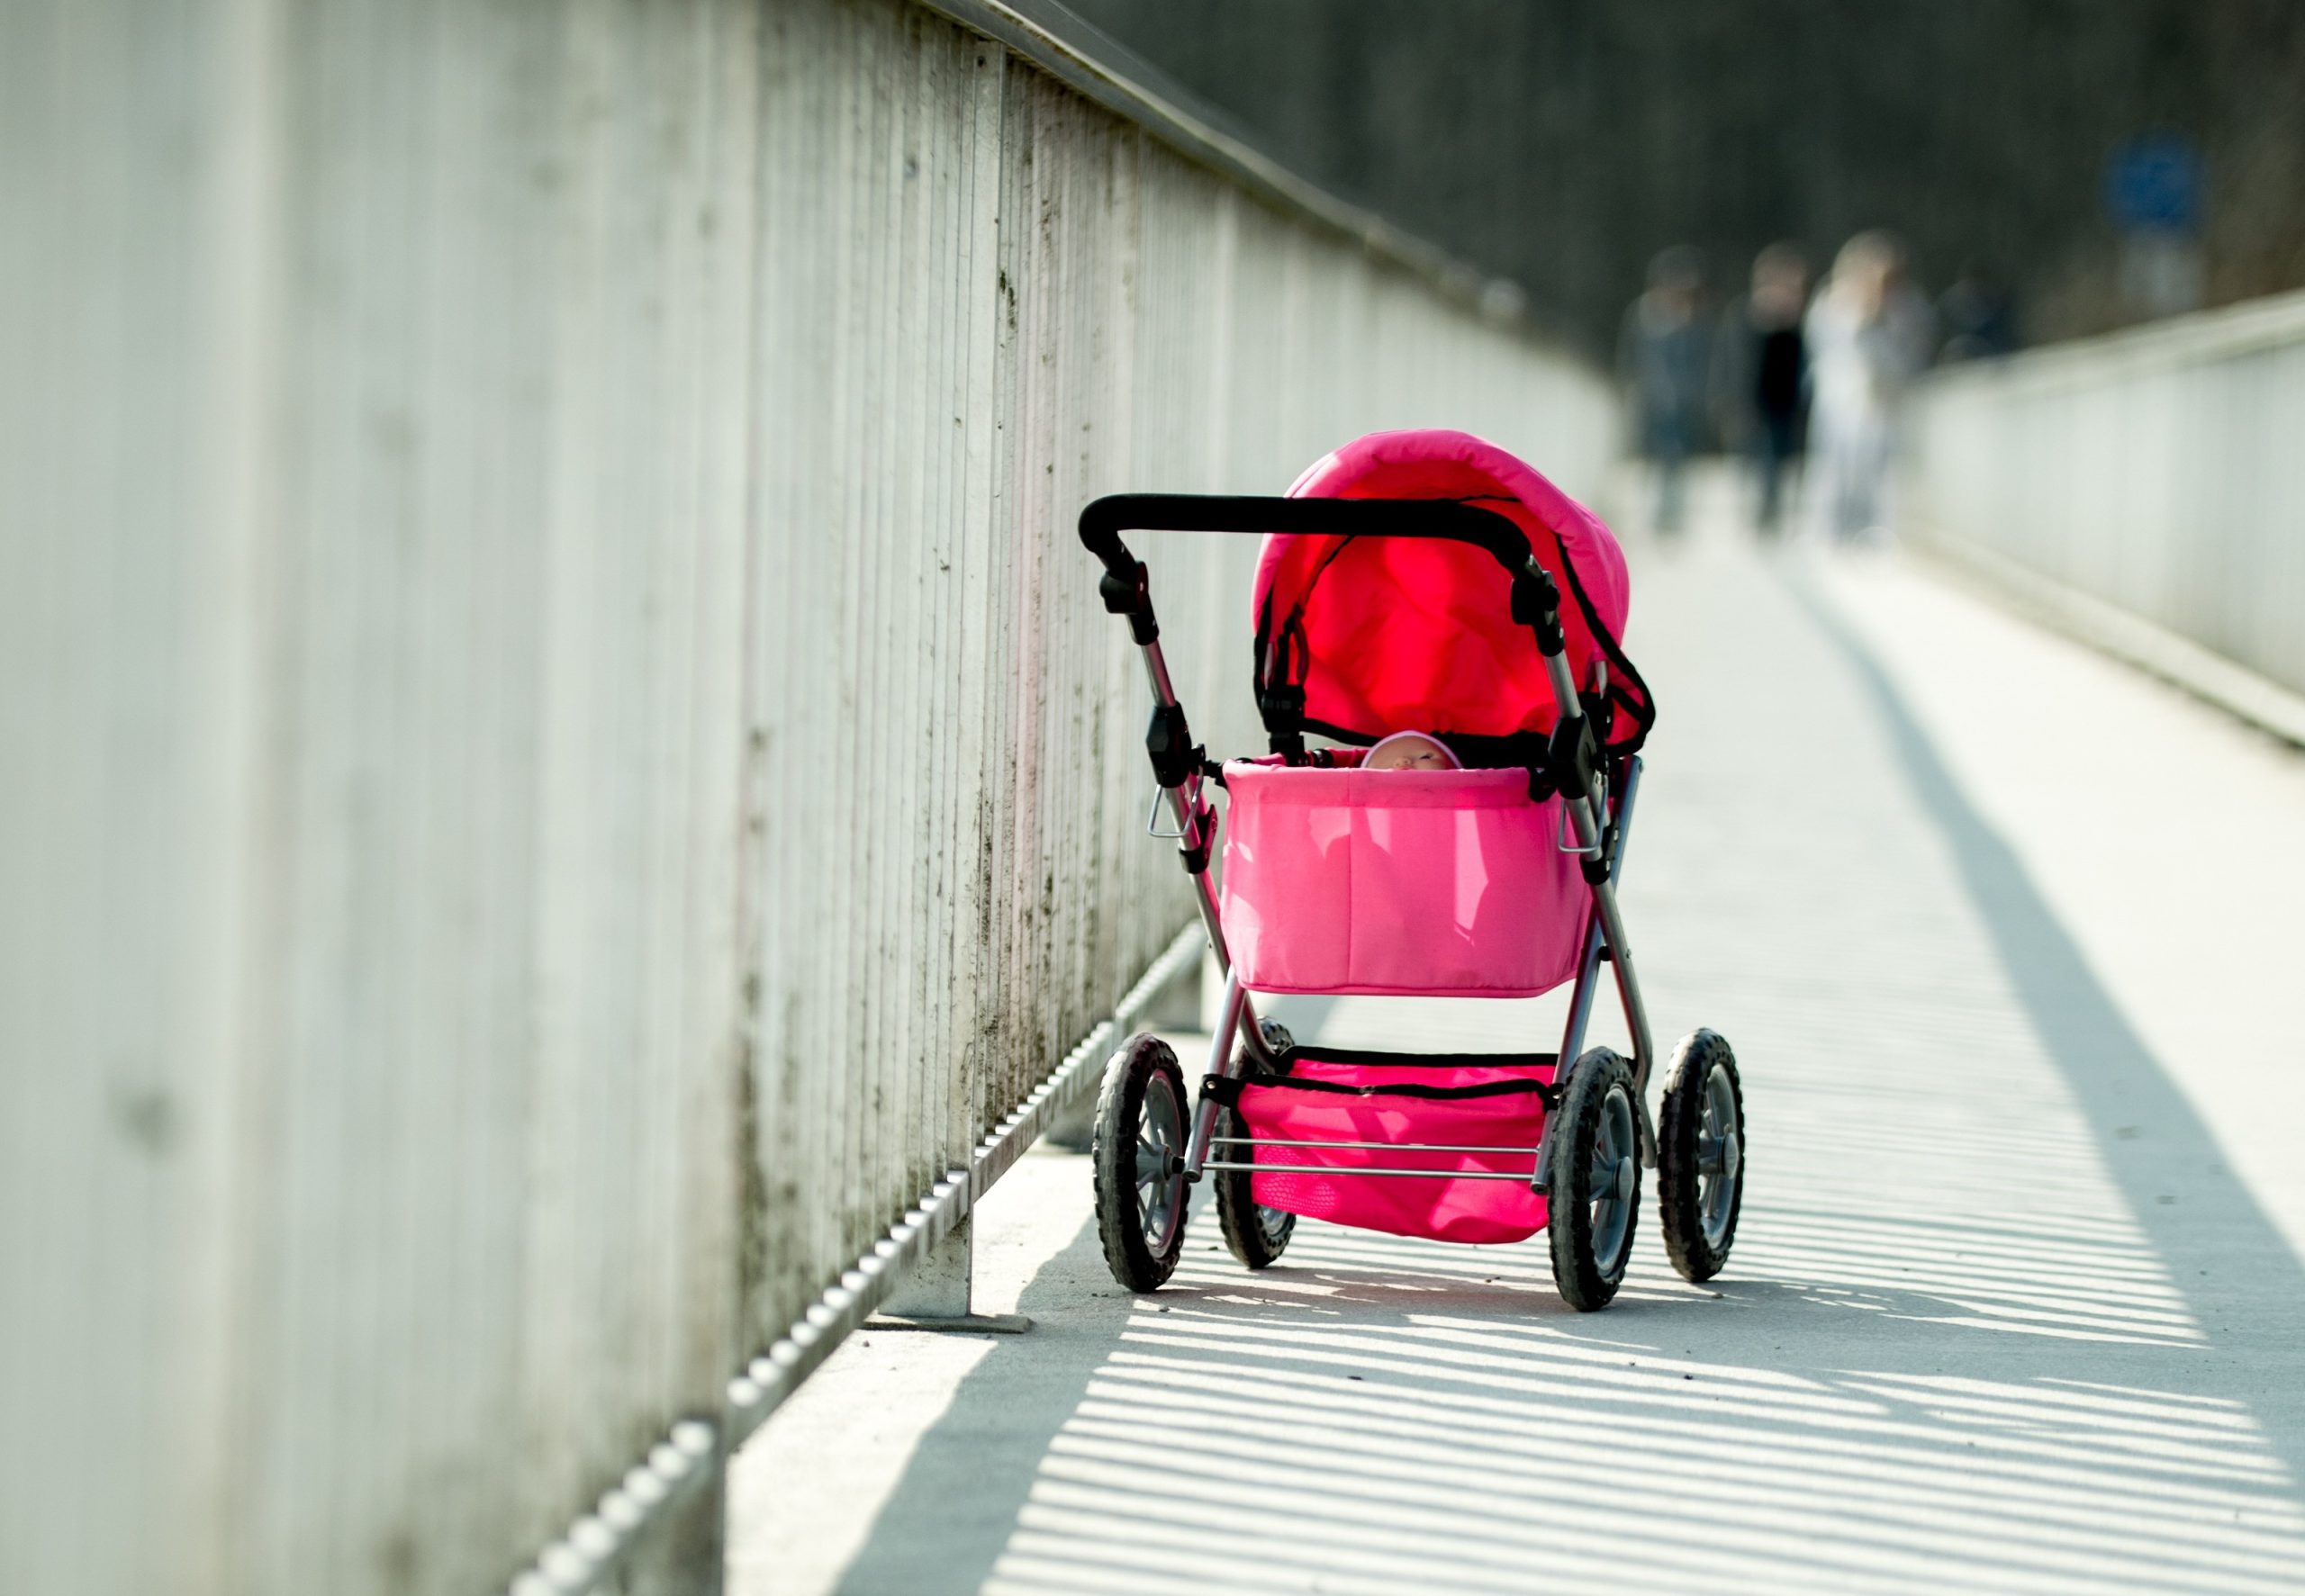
(1414, 581)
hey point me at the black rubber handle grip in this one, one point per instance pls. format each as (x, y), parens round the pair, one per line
(1105, 520)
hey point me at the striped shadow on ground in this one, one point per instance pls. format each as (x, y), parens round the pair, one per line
(1998, 1320)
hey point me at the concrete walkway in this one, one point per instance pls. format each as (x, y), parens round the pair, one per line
(2009, 940)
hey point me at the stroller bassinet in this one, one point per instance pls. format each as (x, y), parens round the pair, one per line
(1444, 882)
(1427, 581)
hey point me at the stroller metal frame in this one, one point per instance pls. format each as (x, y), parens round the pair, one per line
(1600, 810)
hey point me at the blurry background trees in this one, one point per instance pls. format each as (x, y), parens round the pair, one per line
(1560, 143)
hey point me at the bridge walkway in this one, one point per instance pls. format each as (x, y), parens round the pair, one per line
(2006, 936)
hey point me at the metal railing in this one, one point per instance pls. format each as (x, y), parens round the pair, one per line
(2153, 471)
(568, 800)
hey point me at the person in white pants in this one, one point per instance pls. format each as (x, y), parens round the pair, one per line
(1868, 335)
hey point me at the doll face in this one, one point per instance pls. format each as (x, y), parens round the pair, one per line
(1411, 752)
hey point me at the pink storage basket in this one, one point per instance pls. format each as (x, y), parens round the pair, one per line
(1469, 1107)
(1425, 883)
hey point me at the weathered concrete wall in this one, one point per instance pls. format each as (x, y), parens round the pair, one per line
(2159, 471)
(558, 758)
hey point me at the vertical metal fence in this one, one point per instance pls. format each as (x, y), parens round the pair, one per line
(559, 762)
(2156, 470)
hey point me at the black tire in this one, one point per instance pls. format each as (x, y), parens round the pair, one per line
(1701, 1156)
(1142, 1116)
(1255, 1234)
(1594, 1211)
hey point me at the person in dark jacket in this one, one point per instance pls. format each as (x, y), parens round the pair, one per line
(1977, 316)
(1661, 359)
(1761, 375)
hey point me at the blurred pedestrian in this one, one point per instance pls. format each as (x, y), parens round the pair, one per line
(1868, 334)
(1662, 358)
(1978, 315)
(1760, 376)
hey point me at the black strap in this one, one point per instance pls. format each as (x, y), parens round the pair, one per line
(1364, 1057)
(1544, 1093)
(1280, 681)
(1640, 708)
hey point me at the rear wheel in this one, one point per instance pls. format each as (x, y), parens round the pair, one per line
(1701, 1156)
(1138, 1155)
(1594, 1174)
(1255, 1234)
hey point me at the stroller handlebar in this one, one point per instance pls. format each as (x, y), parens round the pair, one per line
(1536, 599)
(1105, 520)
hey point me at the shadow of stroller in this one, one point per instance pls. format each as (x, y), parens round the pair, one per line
(1379, 1413)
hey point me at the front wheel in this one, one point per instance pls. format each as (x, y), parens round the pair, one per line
(1701, 1156)
(1137, 1151)
(1596, 1181)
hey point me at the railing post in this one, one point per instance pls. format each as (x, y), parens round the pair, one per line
(938, 1286)
(936, 1293)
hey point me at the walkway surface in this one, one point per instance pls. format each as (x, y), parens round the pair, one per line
(2010, 942)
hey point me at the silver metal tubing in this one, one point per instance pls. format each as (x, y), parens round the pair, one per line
(1332, 1170)
(1362, 1146)
(1572, 1035)
(1631, 790)
(1580, 1003)
(1220, 1063)
(1156, 668)
(1253, 1032)
(1566, 704)
(1584, 809)
(1586, 812)
(1606, 925)
(1580, 997)
(1205, 901)
(1636, 1012)
(1610, 922)
(1184, 806)
(1580, 816)
(1582, 850)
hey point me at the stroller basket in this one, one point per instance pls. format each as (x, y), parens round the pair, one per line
(1416, 1146)
(1427, 883)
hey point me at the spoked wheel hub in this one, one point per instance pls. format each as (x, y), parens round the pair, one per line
(1158, 1168)
(1719, 1159)
(1615, 1175)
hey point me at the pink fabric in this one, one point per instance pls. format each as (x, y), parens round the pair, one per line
(1414, 634)
(1398, 882)
(1444, 1210)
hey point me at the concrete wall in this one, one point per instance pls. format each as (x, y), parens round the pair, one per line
(558, 758)
(2159, 471)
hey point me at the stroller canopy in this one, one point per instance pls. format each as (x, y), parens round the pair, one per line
(1393, 634)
